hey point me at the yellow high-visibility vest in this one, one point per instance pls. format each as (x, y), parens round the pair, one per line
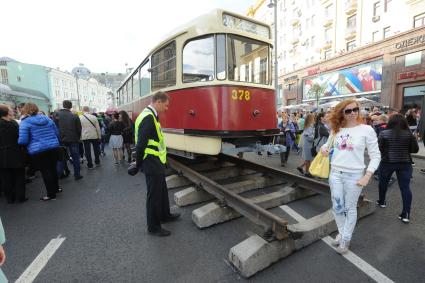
(160, 148)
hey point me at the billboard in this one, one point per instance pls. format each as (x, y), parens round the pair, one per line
(354, 80)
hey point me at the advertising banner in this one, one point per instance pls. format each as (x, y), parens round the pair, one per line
(354, 80)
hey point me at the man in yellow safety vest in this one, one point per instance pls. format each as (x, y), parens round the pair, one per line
(151, 157)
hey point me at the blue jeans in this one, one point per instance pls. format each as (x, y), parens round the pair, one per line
(345, 194)
(74, 150)
(404, 173)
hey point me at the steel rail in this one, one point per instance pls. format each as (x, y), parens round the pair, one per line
(298, 181)
(255, 213)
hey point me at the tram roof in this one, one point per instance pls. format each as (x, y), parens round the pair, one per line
(211, 22)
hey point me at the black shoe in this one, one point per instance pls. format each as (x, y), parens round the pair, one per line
(47, 198)
(259, 153)
(282, 164)
(382, 204)
(63, 176)
(300, 169)
(76, 178)
(170, 218)
(404, 217)
(90, 167)
(59, 190)
(308, 175)
(269, 154)
(160, 233)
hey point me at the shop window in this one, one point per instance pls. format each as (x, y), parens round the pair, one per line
(419, 20)
(413, 59)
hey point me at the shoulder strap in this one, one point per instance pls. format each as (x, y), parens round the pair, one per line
(92, 124)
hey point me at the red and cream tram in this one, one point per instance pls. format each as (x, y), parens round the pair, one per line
(217, 72)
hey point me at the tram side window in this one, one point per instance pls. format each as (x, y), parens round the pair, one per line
(248, 60)
(136, 85)
(164, 67)
(198, 60)
(145, 79)
(221, 57)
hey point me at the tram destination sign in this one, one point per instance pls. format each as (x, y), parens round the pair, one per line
(411, 41)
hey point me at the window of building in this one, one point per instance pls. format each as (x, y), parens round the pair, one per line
(312, 41)
(376, 7)
(328, 11)
(294, 66)
(4, 76)
(419, 20)
(18, 78)
(312, 59)
(328, 54)
(387, 5)
(306, 61)
(307, 23)
(375, 35)
(198, 60)
(351, 22)
(386, 32)
(413, 59)
(164, 67)
(328, 36)
(351, 45)
(291, 86)
(313, 17)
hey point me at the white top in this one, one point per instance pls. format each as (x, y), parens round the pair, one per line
(89, 131)
(349, 148)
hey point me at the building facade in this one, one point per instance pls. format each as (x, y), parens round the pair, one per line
(391, 71)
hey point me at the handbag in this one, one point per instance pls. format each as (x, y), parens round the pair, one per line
(321, 165)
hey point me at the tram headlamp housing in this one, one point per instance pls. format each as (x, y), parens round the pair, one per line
(233, 22)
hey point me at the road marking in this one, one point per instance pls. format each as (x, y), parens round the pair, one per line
(350, 256)
(40, 261)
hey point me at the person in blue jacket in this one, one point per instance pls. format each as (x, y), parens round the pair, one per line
(3, 278)
(40, 135)
(287, 130)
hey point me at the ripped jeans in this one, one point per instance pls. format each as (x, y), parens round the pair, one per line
(345, 194)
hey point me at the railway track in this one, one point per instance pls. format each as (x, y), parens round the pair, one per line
(238, 187)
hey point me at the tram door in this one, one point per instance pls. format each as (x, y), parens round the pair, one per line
(414, 97)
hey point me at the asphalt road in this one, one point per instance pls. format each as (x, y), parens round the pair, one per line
(102, 219)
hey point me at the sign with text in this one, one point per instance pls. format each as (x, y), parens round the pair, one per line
(356, 79)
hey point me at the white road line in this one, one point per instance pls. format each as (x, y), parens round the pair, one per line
(350, 256)
(40, 261)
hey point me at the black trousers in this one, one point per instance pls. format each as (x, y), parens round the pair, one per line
(87, 151)
(13, 183)
(46, 163)
(157, 203)
(285, 155)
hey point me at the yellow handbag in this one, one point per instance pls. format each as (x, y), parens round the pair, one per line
(320, 166)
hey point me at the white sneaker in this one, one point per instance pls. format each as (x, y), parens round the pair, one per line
(343, 247)
(335, 242)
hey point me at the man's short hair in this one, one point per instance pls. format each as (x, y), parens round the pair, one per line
(86, 108)
(21, 105)
(67, 104)
(161, 96)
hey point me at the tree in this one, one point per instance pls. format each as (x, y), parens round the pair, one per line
(318, 90)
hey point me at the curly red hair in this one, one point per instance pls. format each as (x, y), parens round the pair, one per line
(337, 119)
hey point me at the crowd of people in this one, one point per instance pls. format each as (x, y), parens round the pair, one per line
(31, 141)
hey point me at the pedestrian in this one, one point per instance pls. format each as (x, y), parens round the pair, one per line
(116, 141)
(287, 138)
(151, 157)
(12, 157)
(70, 133)
(396, 144)
(101, 120)
(41, 137)
(90, 136)
(307, 143)
(127, 134)
(421, 133)
(347, 177)
(3, 278)
(321, 132)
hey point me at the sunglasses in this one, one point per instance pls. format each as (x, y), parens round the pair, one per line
(348, 111)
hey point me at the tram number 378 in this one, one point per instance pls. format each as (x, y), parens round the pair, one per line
(240, 94)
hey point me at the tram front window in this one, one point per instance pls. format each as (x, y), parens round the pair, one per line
(198, 60)
(248, 60)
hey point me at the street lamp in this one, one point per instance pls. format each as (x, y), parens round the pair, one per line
(78, 92)
(273, 4)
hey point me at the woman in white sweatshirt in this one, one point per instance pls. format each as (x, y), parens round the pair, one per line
(347, 177)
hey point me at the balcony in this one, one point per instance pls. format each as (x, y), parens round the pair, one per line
(328, 21)
(350, 33)
(327, 45)
(295, 21)
(350, 7)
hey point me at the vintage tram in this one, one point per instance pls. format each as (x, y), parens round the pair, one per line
(217, 71)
